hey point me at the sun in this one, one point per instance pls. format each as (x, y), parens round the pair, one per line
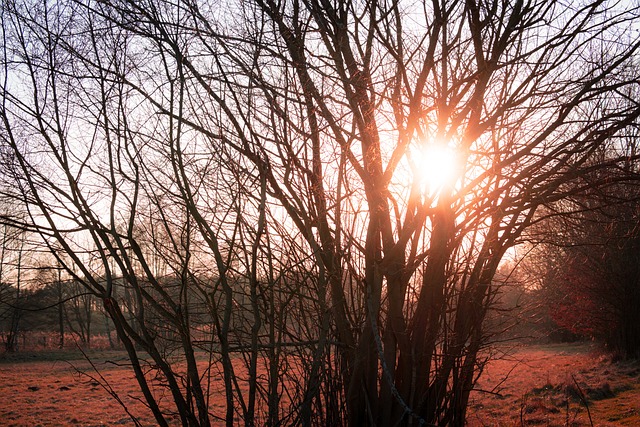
(436, 167)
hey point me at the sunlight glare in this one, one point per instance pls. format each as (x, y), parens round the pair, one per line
(436, 167)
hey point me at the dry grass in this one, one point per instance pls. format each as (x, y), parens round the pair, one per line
(540, 385)
(557, 385)
(53, 393)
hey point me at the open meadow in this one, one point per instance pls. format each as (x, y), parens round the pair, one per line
(550, 385)
(557, 385)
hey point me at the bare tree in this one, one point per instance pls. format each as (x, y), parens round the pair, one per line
(283, 148)
(586, 260)
(12, 255)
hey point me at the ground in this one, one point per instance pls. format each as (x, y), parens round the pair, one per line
(556, 385)
(55, 392)
(553, 385)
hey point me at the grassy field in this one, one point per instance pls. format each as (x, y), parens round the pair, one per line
(60, 389)
(554, 385)
(557, 385)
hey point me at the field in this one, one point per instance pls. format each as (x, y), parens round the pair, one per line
(553, 385)
(557, 385)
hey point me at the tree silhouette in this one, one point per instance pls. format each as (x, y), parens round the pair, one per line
(266, 152)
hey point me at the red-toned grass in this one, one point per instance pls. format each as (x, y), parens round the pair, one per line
(59, 388)
(557, 385)
(53, 393)
(537, 385)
